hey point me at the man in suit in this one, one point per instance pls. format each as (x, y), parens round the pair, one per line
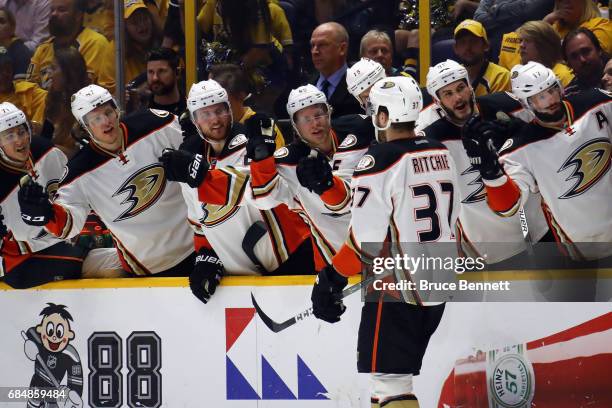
(329, 48)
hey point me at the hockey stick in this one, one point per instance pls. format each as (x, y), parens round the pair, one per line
(277, 327)
(251, 238)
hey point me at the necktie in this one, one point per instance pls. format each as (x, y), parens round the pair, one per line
(325, 87)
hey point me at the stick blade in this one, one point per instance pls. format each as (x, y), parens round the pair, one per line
(270, 324)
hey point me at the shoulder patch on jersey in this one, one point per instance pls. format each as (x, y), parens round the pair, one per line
(160, 113)
(349, 140)
(365, 163)
(142, 123)
(282, 152)
(237, 141)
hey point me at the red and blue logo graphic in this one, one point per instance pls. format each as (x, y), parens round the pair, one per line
(273, 387)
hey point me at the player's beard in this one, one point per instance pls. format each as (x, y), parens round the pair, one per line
(455, 118)
(550, 117)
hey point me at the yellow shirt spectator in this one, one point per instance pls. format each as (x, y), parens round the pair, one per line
(601, 27)
(95, 49)
(492, 79)
(210, 22)
(509, 54)
(564, 73)
(30, 98)
(101, 20)
(279, 140)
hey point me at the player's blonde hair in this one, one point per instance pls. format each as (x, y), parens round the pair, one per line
(590, 10)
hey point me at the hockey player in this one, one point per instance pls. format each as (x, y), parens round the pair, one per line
(214, 170)
(324, 202)
(479, 231)
(406, 174)
(29, 255)
(564, 154)
(118, 176)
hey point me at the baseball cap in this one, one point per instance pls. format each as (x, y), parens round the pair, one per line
(130, 6)
(473, 27)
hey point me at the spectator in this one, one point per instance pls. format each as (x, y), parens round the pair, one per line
(163, 74)
(66, 27)
(25, 95)
(233, 80)
(376, 45)
(503, 16)
(472, 47)
(585, 57)
(606, 80)
(328, 48)
(259, 34)
(68, 74)
(541, 43)
(571, 14)
(141, 35)
(32, 18)
(17, 50)
(99, 16)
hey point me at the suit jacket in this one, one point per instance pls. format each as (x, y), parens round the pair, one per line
(341, 100)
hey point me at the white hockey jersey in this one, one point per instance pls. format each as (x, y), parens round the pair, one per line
(570, 167)
(403, 192)
(480, 231)
(145, 213)
(228, 220)
(275, 182)
(47, 166)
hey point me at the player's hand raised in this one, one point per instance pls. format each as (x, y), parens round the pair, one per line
(315, 174)
(36, 209)
(478, 138)
(206, 274)
(326, 302)
(261, 137)
(184, 166)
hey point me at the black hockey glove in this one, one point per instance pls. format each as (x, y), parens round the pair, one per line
(326, 302)
(261, 135)
(36, 209)
(206, 274)
(478, 139)
(315, 174)
(187, 126)
(3, 229)
(184, 166)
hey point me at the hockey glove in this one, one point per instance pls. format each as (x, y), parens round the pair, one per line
(3, 229)
(187, 126)
(206, 274)
(326, 302)
(315, 174)
(478, 138)
(184, 167)
(36, 209)
(261, 135)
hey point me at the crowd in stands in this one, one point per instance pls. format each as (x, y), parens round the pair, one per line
(259, 50)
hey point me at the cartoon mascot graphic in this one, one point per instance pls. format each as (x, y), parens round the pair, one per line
(54, 358)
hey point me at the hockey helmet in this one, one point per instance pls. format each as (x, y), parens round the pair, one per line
(402, 98)
(10, 117)
(531, 79)
(361, 76)
(444, 73)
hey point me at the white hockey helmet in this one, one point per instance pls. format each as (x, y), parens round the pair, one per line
(444, 73)
(303, 97)
(206, 93)
(87, 99)
(531, 79)
(10, 117)
(401, 96)
(363, 75)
